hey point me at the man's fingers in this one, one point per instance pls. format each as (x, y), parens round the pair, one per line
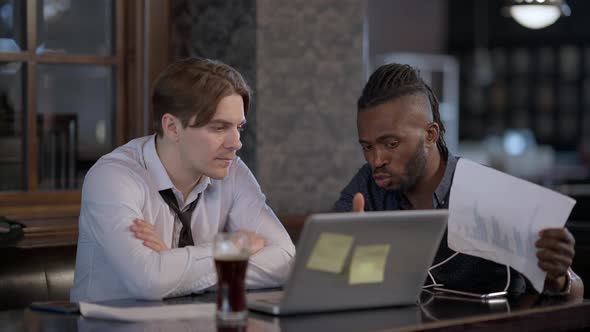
(554, 258)
(559, 234)
(256, 241)
(141, 223)
(157, 247)
(257, 238)
(142, 226)
(358, 203)
(146, 236)
(146, 232)
(556, 247)
(253, 237)
(554, 271)
(142, 230)
(151, 241)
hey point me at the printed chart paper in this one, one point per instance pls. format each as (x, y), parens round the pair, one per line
(498, 217)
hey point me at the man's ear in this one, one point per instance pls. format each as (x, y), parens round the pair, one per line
(432, 132)
(171, 126)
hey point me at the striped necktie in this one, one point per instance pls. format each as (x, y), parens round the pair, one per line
(186, 236)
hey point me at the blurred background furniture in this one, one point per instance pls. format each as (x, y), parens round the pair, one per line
(58, 141)
(35, 274)
(39, 267)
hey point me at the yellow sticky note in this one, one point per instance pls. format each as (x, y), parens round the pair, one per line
(330, 252)
(368, 264)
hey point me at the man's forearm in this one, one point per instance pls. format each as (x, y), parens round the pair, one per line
(172, 272)
(269, 267)
(577, 287)
(572, 285)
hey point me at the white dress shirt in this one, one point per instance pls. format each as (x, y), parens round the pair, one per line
(124, 185)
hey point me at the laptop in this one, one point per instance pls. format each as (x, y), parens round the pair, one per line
(351, 261)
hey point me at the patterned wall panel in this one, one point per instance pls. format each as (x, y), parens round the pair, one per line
(223, 30)
(309, 75)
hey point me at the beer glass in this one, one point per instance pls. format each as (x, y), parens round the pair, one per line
(231, 252)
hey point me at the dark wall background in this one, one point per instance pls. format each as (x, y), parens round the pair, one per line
(505, 31)
(223, 30)
(310, 73)
(514, 77)
(304, 61)
(407, 26)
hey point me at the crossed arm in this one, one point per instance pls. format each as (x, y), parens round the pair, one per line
(146, 232)
(148, 269)
(270, 256)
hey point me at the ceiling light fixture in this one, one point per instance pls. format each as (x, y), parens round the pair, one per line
(537, 14)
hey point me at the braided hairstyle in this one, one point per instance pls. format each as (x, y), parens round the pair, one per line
(395, 80)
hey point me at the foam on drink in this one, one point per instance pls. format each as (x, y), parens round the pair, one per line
(229, 251)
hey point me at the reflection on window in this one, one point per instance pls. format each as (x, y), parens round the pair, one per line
(12, 123)
(93, 20)
(75, 129)
(11, 25)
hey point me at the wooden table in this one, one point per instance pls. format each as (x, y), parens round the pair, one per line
(527, 313)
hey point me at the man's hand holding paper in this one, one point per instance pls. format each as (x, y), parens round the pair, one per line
(555, 254)
(513, 222)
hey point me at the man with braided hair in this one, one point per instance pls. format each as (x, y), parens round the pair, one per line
(410, 167)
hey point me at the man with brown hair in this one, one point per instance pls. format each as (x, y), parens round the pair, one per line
(151, 208)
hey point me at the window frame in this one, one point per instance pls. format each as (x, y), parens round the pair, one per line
(141, 50)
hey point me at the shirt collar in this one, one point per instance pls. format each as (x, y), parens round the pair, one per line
(439, 197)
(441, 193)
(160, 176)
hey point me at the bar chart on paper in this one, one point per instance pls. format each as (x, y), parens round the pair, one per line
(502, 222)
(502, 233)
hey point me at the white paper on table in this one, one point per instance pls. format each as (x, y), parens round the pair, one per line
(148, 313)
(498, 217)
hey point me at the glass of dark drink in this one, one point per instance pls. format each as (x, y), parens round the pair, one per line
(231, 252)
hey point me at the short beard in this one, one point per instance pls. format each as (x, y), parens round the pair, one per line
(414, 169)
